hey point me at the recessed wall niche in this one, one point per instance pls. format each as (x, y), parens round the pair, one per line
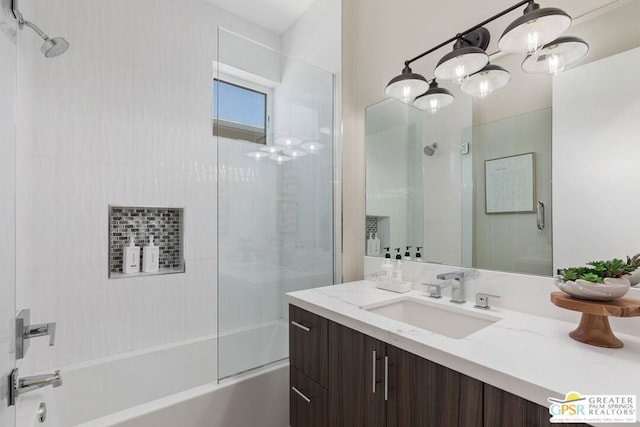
(165, 224)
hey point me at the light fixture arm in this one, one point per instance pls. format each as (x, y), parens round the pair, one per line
(461, 35)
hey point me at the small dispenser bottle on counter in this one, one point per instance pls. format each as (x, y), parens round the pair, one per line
(391, 277)
(386, 268)
(418, 257)
(150, 257)
(131, 257)
(396, 276)
(407, 254)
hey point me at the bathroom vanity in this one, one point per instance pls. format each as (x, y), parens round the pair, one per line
(360, 357)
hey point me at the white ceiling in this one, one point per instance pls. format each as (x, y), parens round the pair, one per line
(273, 15)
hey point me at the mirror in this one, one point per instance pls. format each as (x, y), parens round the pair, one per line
(459, 202)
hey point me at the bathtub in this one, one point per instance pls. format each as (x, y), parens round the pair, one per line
(172, 385)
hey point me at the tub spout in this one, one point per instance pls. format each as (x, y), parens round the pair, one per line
(19, 386)
(35, 382)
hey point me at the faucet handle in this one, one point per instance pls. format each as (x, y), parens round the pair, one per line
(32, 331)
(435, 289)
(482, 300)
(51, 330)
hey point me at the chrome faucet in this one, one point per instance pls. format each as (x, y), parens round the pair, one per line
(457, 285)
(35, 382)
(435, 289)
(19, 386)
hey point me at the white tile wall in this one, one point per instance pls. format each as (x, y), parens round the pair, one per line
(123, 117)
(7, 207)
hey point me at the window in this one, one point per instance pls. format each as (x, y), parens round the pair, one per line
(239, 112)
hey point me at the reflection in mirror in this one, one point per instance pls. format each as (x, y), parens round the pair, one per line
(453, 223)
(509, 238)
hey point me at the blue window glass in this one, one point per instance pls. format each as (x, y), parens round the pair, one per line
(239, 112)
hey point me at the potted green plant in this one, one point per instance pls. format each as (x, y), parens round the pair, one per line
(599, 280)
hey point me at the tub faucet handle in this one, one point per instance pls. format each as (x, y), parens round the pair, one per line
(25, 331)
(41, 330)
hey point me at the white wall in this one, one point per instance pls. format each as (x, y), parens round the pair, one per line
(8, 205)
(595, 166)
(123, 117)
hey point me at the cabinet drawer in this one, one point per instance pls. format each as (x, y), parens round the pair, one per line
(308, 344)
(307, 400)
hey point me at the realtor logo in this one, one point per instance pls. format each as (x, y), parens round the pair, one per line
(576, 408)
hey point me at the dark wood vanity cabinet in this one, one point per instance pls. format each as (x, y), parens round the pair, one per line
(348, 379)
(308, 368)
(503, 409)
(356, 378)
(423, 393)
(374, 384)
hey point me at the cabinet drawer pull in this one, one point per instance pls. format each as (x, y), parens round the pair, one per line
(298, 325)
(306, 399)
(373, 382)
(386, 378)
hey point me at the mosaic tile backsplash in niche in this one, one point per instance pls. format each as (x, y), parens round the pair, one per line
(164, 224)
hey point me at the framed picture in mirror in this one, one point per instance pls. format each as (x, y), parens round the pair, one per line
(510, 184)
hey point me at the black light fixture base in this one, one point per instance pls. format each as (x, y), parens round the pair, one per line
(479, 37)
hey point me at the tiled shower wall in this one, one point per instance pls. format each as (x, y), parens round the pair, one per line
(122, 118)
(7, 206)
(140, 223)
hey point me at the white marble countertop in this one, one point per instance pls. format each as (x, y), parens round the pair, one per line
(530, 356)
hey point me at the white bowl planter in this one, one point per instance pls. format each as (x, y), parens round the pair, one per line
(611, 289)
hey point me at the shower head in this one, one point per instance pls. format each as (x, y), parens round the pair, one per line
(51, 47)
(429, 150)
(54, 47)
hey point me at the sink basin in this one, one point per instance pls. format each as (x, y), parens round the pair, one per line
(437, 318)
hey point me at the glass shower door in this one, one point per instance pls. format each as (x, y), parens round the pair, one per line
(7, 210)
(275, 195)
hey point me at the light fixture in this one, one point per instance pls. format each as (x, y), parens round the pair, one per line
(257, 154)
(556, 56)
(288, 141)
(534, 29)
(280, 158)
(271, 149)
(468, 63)
(467, 57)
(434, 99)
(312, 147)
(293, 153)
(484, 82)
(407, 85)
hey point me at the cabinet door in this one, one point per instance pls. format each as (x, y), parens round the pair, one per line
(503, 409)
(307, 400)
(356, 379)
(308, 343)
(423, 393)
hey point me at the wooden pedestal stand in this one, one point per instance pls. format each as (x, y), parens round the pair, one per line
(594, 326)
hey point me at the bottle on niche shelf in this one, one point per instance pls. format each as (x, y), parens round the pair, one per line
(131, 257)
(151, 257)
